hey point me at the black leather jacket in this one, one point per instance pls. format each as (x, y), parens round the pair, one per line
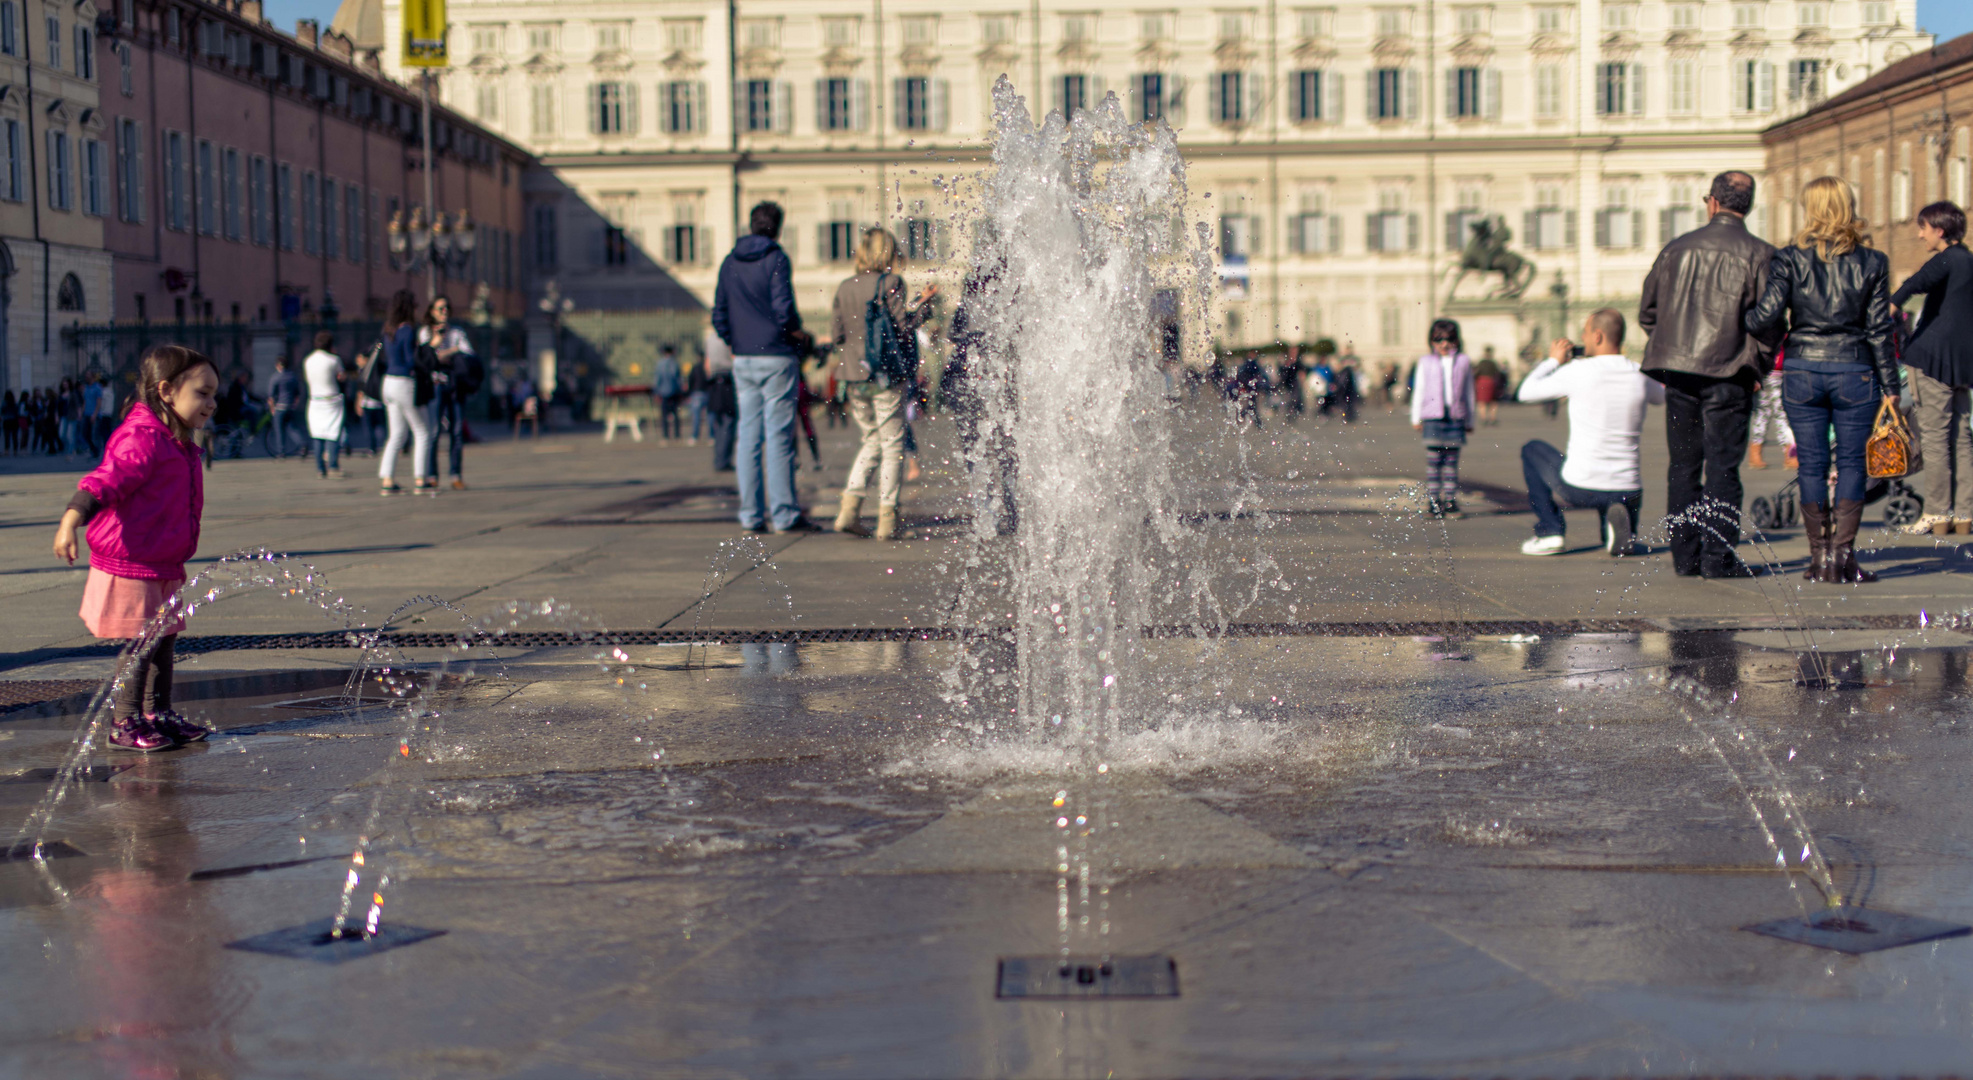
(1694, 297)
(1837, 311)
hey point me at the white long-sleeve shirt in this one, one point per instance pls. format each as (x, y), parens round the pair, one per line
(1607, 398)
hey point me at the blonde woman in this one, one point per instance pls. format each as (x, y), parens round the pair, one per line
(877, 406)
(1830, 295)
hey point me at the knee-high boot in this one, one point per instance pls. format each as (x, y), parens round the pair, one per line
(1843, 542)
(1815, 522)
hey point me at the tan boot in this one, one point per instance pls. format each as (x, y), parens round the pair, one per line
(886, 523)
(1754, 458)
(850, 518)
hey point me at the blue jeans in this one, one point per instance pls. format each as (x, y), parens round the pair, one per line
(328, 455)
(764, 444)
(445, 414)
(279, 423)
(695, 405)
(1541, 466)
(1817, 401)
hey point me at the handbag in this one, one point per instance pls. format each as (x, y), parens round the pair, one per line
(370, 380)
(1891, 452)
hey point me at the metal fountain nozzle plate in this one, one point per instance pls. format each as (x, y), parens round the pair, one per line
(1855, 930)
(1088, 977)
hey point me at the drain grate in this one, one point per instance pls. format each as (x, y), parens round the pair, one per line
(1859, 930)
(23, 693)
(1088, 977)
(312, 941)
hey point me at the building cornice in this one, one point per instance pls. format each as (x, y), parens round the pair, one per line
(974, 154)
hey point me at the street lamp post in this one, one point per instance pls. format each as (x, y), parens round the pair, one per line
(446, 244)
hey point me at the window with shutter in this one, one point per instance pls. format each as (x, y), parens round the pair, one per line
(784, 106)
(1388, 96)
(1150, 97)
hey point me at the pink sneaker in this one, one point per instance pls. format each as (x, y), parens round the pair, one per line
(138, 734)
(177, 728)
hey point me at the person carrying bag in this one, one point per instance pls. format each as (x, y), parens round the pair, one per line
(876, 356)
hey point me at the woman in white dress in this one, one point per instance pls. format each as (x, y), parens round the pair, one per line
(323, 371)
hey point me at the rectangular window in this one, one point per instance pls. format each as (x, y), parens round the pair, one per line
(1471, 20)
(1618, 89)
(616, 246)
(1805, 82)
(1550, 228)
(921, 30)
(1876, 12)
(129, 169)
(611, 113)
(545, 241)
(1393, 22)
(1619, 17)
(229, 192)
(839, 33)
(1235, 236)
(15, 177)
(328, 218)
(1390, 230)
(1308, 96)
(1387, 100)
(1814, 13)
(1753, 86)
(354, 223)
(123, 68)
(914, 104)
(997, 29)
(1230, 97)
(1390, 325)
(284, 206)
(684, 104)
(1463, 90)
(10, 41)
(486, 40)
(838, 241)
(1749, 16)
(208, 188)
(541, 109)
(311, 220)
(1685, 16)
(1551, 20)
(920, 240)
(1150, 97)
(836, 104)
(61, 195)
(681, 243)
(488, 100)
(757, 104)
(85, 52)
(177, 199)
(541, 39)
(258, 203)
(54, 43)
(92, 178)
(1550, 80)
(1071, 93)
(1682, 87)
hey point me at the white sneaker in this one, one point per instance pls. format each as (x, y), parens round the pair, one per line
(1543, 545)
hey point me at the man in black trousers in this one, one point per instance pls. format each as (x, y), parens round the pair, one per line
(1694, 297)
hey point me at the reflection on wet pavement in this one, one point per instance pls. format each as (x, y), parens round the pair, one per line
(1361, 860)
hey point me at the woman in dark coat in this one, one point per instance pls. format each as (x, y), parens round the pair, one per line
(1832, 294)
(1939, 368)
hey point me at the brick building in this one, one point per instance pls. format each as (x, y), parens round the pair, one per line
(1903, 137)
(253, 174)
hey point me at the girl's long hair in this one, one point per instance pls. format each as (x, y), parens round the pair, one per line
(1450, 326)
(1830, 223)
(403, 311)
(168, 364)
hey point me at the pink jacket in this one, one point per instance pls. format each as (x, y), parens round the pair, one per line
(153, 493)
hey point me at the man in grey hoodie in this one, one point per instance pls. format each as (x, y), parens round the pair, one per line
(753, 312)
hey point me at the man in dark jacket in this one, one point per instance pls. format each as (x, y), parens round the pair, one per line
(753, 311)
(1694, 298)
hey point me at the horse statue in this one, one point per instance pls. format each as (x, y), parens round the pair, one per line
(1486, 252)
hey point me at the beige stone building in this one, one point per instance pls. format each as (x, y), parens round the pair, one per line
(1338, 151)
(55, 187)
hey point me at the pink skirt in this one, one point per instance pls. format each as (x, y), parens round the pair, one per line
(120, 607)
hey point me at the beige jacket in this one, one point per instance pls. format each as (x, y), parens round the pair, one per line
(846, 321)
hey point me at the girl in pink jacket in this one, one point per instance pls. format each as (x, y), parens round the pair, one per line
(142, 507)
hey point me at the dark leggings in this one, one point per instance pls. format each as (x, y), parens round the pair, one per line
(146, 685)
(1442, 473)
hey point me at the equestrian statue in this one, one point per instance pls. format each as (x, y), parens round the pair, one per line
(1486, 251)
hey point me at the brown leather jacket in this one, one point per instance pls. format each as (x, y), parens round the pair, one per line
(1695, 296)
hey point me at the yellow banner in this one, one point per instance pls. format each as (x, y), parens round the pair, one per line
(424, 33)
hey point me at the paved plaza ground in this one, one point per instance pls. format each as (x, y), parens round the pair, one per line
(1433, 811)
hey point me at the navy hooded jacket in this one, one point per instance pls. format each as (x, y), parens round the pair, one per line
(753, 308)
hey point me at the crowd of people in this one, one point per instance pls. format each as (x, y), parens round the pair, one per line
(73, 418)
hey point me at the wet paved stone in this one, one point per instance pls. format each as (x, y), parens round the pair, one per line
(1532, 862)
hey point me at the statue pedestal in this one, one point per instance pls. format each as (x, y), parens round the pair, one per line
(1492, 324)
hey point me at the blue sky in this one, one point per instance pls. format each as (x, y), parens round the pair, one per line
(1946, 18)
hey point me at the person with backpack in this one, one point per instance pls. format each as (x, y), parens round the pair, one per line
(456, 376)
(876, 357)
(754, 313)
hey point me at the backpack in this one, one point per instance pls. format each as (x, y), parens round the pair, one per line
(889, 352)
(425, 387)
